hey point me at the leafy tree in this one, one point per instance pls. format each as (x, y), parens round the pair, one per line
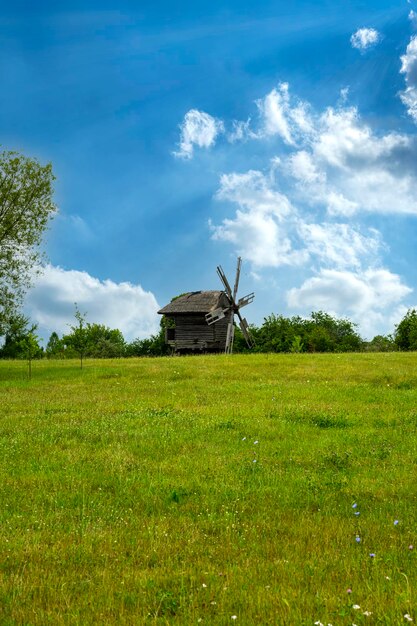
(152, 346)
(78, 338)
(381, 343)
(55, 346)
(297, 345)
(104, 342)
(21, 342)
(405, 335)
(25, 208)
(320, 333)
(277, 333)
(29, 345)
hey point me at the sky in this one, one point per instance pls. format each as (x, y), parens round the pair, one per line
(185, 134)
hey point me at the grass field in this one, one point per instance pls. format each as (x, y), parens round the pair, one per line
(262, 489)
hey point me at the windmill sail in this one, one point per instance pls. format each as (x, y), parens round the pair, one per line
(233, 308)
(225, 282)
(215, 316)
(246, 300)
(244, 327)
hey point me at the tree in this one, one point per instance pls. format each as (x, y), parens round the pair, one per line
(405, 335)
(381, 343)
(25, 208)
(55, 346)
(104, 342)
(21, 342)
(29, 345)
(78, 337)
(153, 346)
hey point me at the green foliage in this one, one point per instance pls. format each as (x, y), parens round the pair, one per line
(90, 340)
(29, 344)
(20, 341)
(153, 346)
(320, 333)
(405, 335)
(25, 208)
(297, 345)
(381, 343)
(55, 347)
(104, 342)
(78, 338)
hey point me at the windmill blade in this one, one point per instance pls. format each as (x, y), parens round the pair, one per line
(216, 315)
(239, 265)
(229, 337)
(225, 282)
(244, 327)
(246, 300)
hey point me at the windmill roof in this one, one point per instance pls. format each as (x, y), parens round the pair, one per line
(195, 302)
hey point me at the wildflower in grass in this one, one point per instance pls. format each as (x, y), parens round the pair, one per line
(410, 547)
(204, 585)
(357, 512)
(372, 555)
(354, 505)
(367, 613)
(395, 522)
(234, 617)
(318, 624)
(408, 617)
(254, 460)
(349, 590)
(244, 439)
(255, 442)
(357, 539)
(356, 607)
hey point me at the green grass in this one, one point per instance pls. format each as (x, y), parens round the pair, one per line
(133, 492)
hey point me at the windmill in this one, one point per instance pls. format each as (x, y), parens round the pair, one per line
(232, 309)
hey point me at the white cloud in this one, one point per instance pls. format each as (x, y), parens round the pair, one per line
(282, 118)
(339, 245)
(252, 190)
(50, 303)
(349, 169)
(369, 298)
(259, 230)
(344, 95)
(412, 16)
(198, 129)
(365, 38)
(409, 68)
(341, 137)
(268, 231)
(302, 166)
(273, 109)
(241, 131)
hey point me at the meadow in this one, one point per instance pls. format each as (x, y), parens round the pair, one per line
(251, 489)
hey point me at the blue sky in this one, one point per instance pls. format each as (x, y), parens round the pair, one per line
(182, 136)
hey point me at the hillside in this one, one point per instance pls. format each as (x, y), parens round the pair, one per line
(252, 489)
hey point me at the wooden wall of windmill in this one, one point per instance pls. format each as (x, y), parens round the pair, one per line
(203, 321)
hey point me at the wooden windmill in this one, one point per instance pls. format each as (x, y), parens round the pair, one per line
(231, 309)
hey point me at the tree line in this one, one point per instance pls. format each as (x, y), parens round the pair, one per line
(320, 332)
